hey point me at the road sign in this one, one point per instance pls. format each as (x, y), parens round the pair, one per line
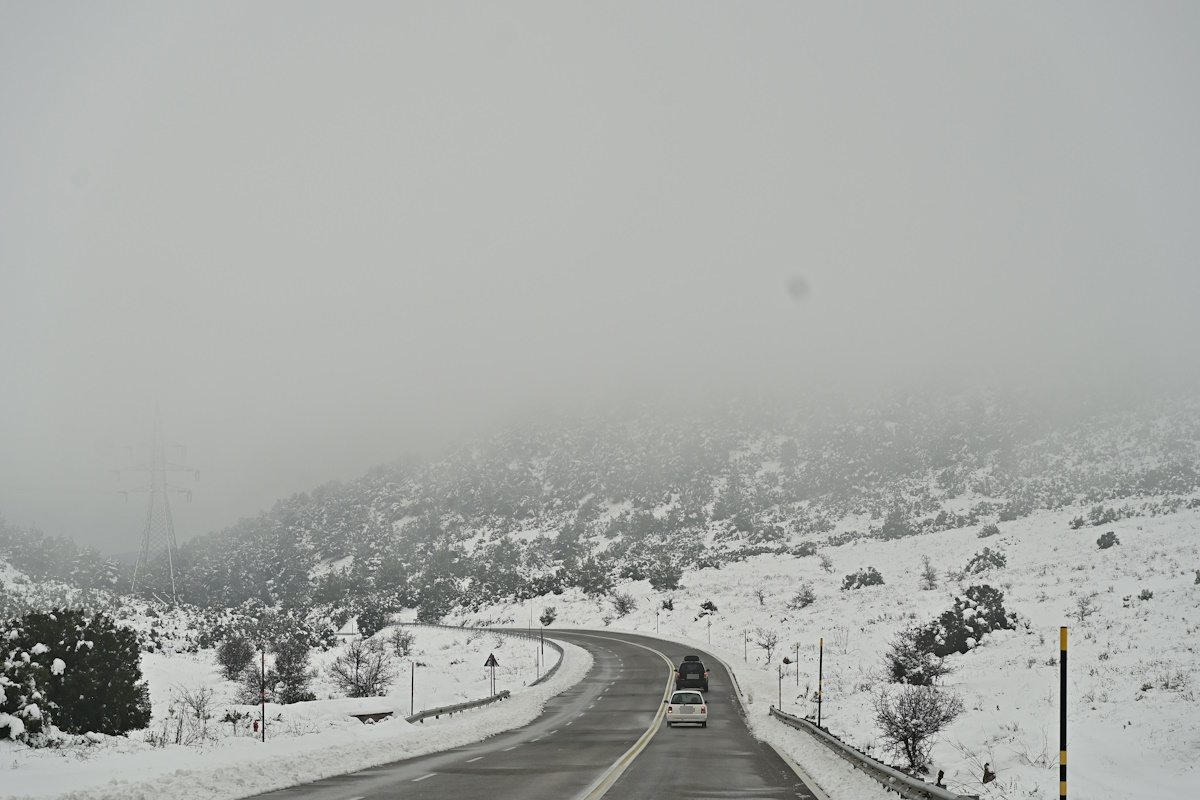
(491, 662)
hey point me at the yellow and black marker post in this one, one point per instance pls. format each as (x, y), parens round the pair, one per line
(1062, 716)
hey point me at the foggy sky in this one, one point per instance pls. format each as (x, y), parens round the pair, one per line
(325, 235)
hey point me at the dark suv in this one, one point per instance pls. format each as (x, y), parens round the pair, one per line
(691, 674)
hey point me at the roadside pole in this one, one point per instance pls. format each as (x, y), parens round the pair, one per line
(1062, 715)
(412, 692)
(820, 679)
(780, 706)
(797, 663)
(262, 685)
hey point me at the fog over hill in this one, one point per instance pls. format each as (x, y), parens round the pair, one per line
(555, 503)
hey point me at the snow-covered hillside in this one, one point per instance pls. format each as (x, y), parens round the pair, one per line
(1134, 679)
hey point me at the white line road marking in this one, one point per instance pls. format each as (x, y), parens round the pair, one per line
(551, 733)
(423, 777)
(571, 722)
(510, 748)
(538, 739)
(473, 760)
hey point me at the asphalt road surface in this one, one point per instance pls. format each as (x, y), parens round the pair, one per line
(603, 736)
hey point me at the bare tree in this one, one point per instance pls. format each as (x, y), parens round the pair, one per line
(767, 640)
(826, 562)
(911, 719)
(191, 710)
(929, 575)
(1085, 606)
(364, 670)
(403, 641)
(761, 595)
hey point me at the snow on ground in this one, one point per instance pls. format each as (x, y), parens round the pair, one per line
(305, 741)
(1134, 719)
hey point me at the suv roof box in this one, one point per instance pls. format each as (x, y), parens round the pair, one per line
(691, 658)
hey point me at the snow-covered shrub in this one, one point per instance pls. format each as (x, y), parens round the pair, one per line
(1099, 515)
(803, 598)
(989, 530)
(24, 707)
(623, 603)
(868, 577)
(1146, 594)
(708, 607)
(669, 603)
(978, 613)
(664, 575)
(911, 658)
(912, 718)
(896, 525)
(251, 687)
(372, 618)
(826, 562)
(287, 676)
(1107, 540)
(80, 667)
(982, 562)
(233, 655)
(549, 614)
(290, 675)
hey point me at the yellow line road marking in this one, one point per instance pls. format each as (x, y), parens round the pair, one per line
(606, 781)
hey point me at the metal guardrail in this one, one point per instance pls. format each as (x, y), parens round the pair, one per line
(454, 709)
(899, 782)
(523, 633)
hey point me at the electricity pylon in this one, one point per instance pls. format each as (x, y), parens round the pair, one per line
(156, 567)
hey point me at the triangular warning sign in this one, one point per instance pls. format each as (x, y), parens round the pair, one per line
(491, 662)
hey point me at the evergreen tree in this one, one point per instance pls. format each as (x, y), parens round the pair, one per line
(290, 675)
(372, 618)
(233, 655)
(95, 681)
